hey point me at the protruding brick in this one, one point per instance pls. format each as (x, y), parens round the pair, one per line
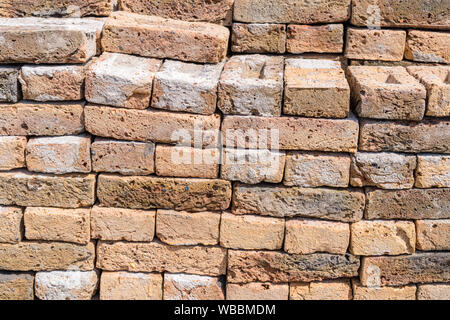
(258, 38)
(327, 38)
(383, 293)
(156, 37)
(130, 286)
(326, 290)
(185, 228)
(433, 171)
(192, 287)
(433, 234)
(436, 291)
(251, 85)
(10, 225)
(428, 46)
(257, 291)
(16, 286)
(12, 152)
(9, 84)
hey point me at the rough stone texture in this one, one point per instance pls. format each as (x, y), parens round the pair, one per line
(9, 85)
(408, 204)
(37, 119)
(278, 267)
(115, 224)
(124, 157)
(130, 286)
(386, 93)
(251, 232)
(46, 256)
(37, 190)
(164, 193)
(121, 80)
(433, 171)
(310, 236)
(437, 291)
(132, 33)
(428, 46)
(10, 225)
(289, 133)
(252, 166)
(383, 293)
(50, 40)
(258, 38)
(66, 285)
(401, 270)
(252, 85)
(376, 238)
(327, 38)
(326, 290)
(257, 291)
(12, 152)
(426, 136)
(278, 201)
(184, 228)
(384, 170)
(156, 257)
(16, 286)
(433, 234)
(192, 287)
(187, 87)
(187, 162)
(291, 11)
(316, 88)
(59, 155)
(317, 170)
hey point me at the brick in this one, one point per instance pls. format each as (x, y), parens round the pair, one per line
(291, 11)
(9, 84)
(383, 293)
(315, 88)
(252, 166)
(36, 190)
(130, 286)
(437, 291)
(279, 201)
(48, 40)
(426, 136)
(408, 204)
(115, 224)
(59, 155)
(121, 80)
(46, 256)
(16, 286)
(289, 133)
(433, 171)
(156, 126)
(386, 93)
(316, 169)
(251, 232)
(326, 290)
(124, 157)
(187, 87)
(384, 170)
(10, 224)
(185, 228)
(156, 257)
(163, 193)
(433, 234)
(258, 38)
(374, 44)
(401, 270)
(219, 11)
(192, 287)
(327, 38)
(427, 46)
(66, 285)
(55, 224)
(257, 291)
(187, 162)
(279, 267)
(310, 236)
(376, 238)
(12, 152)
(251, 85)
(35, 119)
(437, 83)
(136, 34)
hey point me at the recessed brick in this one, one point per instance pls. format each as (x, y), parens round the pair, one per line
(11, 224)
(325, 290)
(9, 84)
(130, 286)
(427, 46)
(192, 287)
(432, 235)
(257, 291)
(12, 152)
(433, 171)
(258, 38)
(327, 38)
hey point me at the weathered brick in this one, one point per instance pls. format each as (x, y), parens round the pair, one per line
(185, 228)
(258, 38)
(10, 225)
(436, 291)
(192, 287)
(326, 290)
(433, 171)
(310, 236)
(130, 286)
(386, 93)
(433, 234)
(12, 152)
(383, 293)
(132, 33)
(9, 84)
(428, 46)
(251, 85)
(278, 201)
(327, 38)
(16, 286)
(156, 257)
(257, 291)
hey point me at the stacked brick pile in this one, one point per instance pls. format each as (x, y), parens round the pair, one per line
(142, 157)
